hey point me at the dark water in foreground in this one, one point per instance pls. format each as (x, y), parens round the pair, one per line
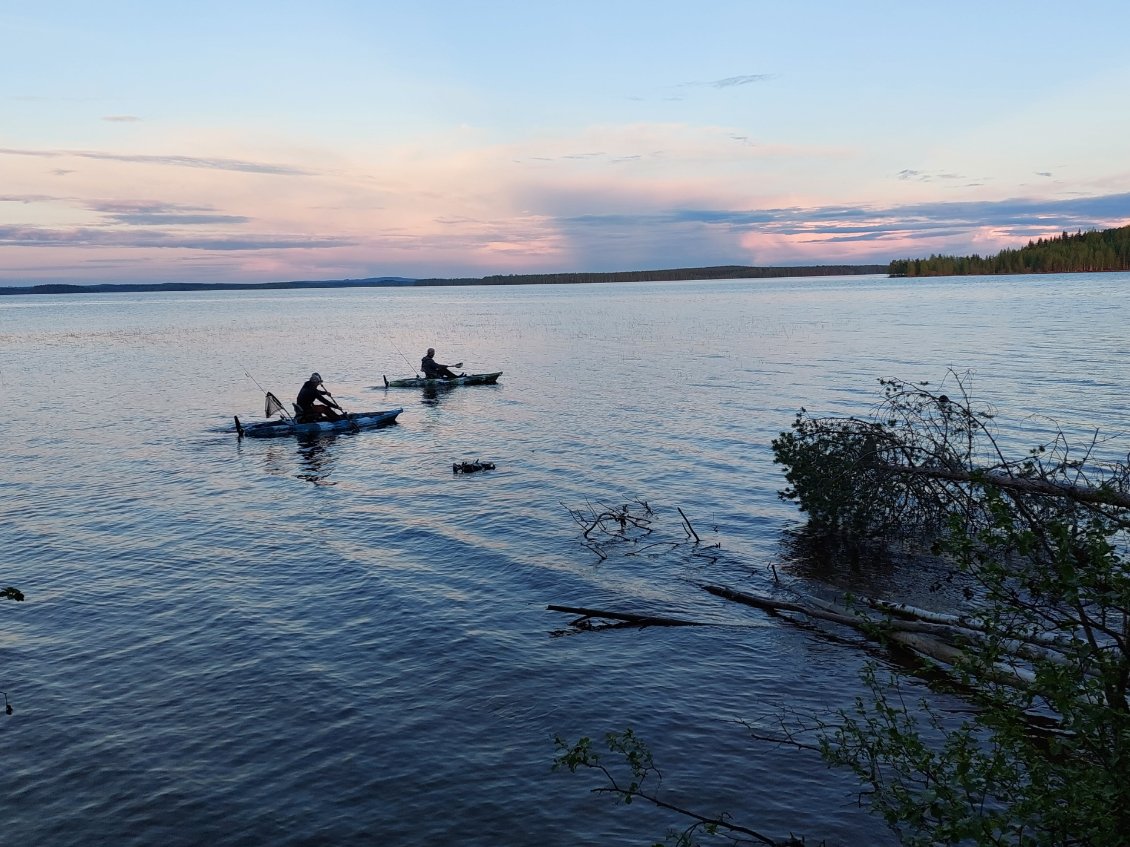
(338, 641)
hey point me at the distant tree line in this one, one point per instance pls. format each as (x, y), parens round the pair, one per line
(1106, 250)
(131, 287)
(670, 274)
(722, 272)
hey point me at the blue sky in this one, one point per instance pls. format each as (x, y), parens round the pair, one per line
(254, 141)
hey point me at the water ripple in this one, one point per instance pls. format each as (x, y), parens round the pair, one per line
(339, 641)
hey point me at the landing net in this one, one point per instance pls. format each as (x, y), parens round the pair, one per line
(272, 406)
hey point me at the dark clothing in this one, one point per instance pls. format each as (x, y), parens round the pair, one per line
(434, 370)
(310, 393)
(309, 407)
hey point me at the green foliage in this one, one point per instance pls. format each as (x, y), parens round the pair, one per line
(928, 793)
(1041, 759)
(1106, 250)
(828, 471)
(1038, 754)
(669, 274)
(631, 750)
(642, 780)
(880, 477)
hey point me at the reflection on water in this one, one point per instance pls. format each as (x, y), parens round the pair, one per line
(434, 395)
(904, 572)
(317, 459)
(314, 454)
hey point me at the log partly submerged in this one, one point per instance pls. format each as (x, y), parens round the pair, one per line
(625, 617)
(942, 642)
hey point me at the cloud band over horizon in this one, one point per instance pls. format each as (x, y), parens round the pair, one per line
(423, 140)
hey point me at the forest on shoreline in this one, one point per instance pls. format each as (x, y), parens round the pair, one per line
(1083, 252)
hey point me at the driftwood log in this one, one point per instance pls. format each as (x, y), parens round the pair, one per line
(942, 642)
(941, 639)
(623, 617)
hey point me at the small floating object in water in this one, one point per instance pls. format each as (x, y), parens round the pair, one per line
(471, 467)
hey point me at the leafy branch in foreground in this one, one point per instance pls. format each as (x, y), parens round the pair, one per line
(633, 778)
(1040, 759)
(1036, 754)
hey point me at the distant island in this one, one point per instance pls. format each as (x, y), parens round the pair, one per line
(720, 272)
(1083, 252)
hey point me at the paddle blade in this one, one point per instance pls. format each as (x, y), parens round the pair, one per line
(272, 405)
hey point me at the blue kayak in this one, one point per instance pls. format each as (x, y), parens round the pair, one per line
(351, 423)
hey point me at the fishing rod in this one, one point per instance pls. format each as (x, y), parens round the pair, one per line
(254, 380)
(281, 408)
(405, 358)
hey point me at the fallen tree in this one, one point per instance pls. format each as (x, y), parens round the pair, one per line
(1039, 643)
(923, 458)
(589, 618)
(1041, 540)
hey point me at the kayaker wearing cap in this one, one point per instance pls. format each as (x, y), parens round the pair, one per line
(315, 403)
(434, 370)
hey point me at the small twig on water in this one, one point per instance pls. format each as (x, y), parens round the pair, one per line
(690, 529)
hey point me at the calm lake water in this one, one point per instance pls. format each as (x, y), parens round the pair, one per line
(338, 641)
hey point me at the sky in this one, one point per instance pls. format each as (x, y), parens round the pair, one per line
(267, 141)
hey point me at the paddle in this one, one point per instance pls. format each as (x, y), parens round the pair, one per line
(352, 423)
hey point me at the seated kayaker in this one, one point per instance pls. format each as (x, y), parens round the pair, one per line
(315, 403)
(434, 370)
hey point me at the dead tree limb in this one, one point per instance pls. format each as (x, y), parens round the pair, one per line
(782, 606)
(961, 622)
(943, 642)
(1090, 494)
(626, 617)
(690, 529)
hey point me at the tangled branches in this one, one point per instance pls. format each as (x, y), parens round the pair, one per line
(631, 532)
(924, 457)
(1043, 540)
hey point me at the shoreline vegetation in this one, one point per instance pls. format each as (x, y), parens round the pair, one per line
(1084, 252)
(674, 274)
